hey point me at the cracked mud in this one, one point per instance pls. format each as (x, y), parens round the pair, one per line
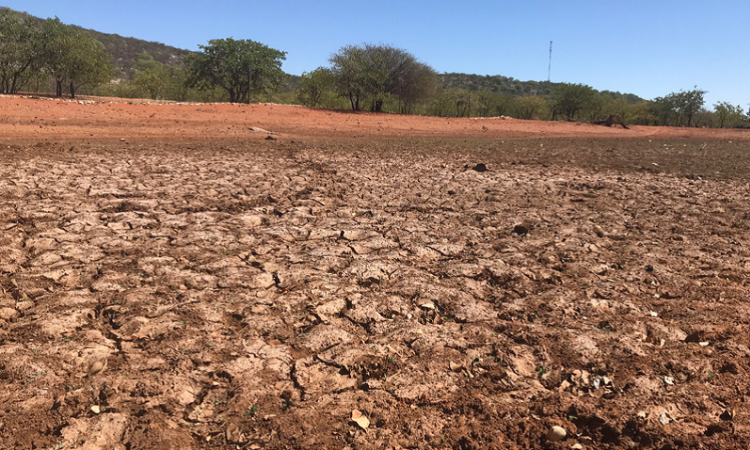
(187, 295)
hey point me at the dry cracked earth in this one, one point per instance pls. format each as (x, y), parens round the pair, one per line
(254, 295)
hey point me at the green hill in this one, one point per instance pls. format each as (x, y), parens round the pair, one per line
(512, 87)
(125, 50)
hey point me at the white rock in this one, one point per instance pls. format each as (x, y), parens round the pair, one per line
(556, 434)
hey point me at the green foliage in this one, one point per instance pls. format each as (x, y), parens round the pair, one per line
(377, 73)
(530, 107)
(19, 50)
(570, 99)
(314, 86)
(72, 57)
(690, 102)
(497, 83)
(152, 76)
(452, 102)
(673, 108)
(728, 115)
(243, 68)
(494, 104)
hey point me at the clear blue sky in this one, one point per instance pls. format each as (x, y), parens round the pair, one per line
(649, 48)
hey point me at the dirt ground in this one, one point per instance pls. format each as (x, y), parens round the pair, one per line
(171, 279)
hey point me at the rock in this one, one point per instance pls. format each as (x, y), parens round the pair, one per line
(8, 313)
(252, 221)
(556, 434)
(262, 281)
(96, 367)
(270, 138)
(480, 168)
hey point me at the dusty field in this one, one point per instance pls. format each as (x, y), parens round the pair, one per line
(230, 292)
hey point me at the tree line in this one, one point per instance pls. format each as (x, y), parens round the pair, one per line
(49, 56)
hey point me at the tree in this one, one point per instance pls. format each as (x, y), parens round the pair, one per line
(491, 103)
(728, 114)
(73, 57)
(19, 50)
(242, 68)
(412, 82)
(571, 98)
(377, 72)
(663, 108)
(312, 86)
(530, 107)
(690, 102)
(152, 76)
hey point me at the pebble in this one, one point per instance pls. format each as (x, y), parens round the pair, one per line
(8, 313)
(556, 434)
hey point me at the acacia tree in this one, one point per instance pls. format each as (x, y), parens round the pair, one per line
(690, 102)
(671, 108)
(19, 50)
(376, 72)
(571, 98)
(728, 114)
(73, 57)
(242, 68)
(152, 76)
(530, 107)
(313, 85)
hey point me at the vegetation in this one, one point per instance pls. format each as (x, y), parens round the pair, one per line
(378, 73)
(49, 56)
(728, 115)
(72, 57)
(31, 49)
(314, 86)
(242, 68)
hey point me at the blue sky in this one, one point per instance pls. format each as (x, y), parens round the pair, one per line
(649, 48)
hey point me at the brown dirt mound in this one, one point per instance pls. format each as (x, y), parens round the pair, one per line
(104, 118)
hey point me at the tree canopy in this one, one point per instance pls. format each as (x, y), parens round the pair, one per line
(372, 73)
(570, 99)
(242, 68)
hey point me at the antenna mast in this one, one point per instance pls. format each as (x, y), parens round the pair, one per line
(549, 69)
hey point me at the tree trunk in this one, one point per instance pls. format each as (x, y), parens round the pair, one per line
(72, 90)
(58, 88)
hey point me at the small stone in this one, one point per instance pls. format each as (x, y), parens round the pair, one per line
(480, 168)
(8, 313)
(251, 220)
(556, 434)
(649, 268)
(95, 409)
(96, 367)
(25, 305)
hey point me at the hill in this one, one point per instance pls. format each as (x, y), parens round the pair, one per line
(125, 50)
(512, 87)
